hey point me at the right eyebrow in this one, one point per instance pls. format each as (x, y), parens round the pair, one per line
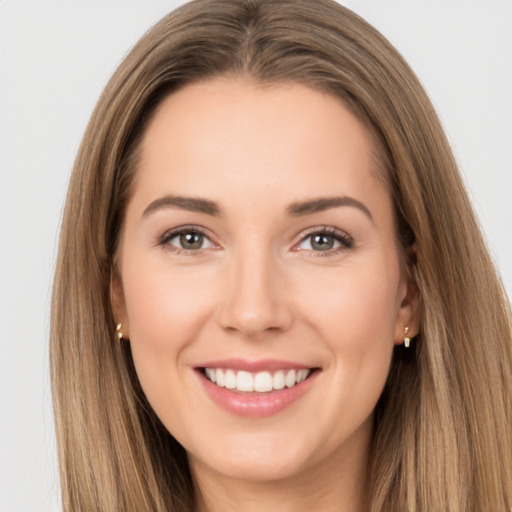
(192, 204)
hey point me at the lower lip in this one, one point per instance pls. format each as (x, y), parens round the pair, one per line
(256, 405)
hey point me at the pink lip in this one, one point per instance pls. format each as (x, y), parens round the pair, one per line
(255, 405)
(269, 365)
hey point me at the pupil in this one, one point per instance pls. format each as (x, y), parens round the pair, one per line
(322, 242)
(191, 240)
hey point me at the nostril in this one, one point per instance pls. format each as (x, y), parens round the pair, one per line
(254, 322)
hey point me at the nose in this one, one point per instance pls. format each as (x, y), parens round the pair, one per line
(255, 301)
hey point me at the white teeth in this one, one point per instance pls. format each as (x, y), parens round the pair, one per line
(260, 382)
(278, 380)
(301, 375)
(219, 378)
(244, 381)
(263, 382)
(230, 379)
(290, 379)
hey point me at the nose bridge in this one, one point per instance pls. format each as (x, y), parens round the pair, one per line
(255, 300)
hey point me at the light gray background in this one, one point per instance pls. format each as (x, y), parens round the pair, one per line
(55, 58)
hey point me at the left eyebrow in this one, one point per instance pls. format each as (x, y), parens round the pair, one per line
(321, 204)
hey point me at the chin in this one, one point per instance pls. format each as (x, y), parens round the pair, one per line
(258, 469)
(257, 457)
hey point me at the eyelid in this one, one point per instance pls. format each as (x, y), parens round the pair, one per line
(345, 240)
(163, 239)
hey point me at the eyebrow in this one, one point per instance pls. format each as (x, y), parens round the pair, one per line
(297, 209)
(192, 204)
(321, 204)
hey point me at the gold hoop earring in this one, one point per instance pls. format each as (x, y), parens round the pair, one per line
(119, 333)
(407, 340)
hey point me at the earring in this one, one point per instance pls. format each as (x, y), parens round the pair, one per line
(407, 340)
(118, 332)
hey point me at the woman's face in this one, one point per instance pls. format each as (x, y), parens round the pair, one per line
(258, 250)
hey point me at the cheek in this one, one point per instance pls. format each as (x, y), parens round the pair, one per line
(356, 306)
(167, 308)
(354, 311)
(164, 303)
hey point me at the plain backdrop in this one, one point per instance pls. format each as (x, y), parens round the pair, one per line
(55, 58)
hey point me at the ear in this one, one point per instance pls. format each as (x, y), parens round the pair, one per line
(409, 312)
(118, 302)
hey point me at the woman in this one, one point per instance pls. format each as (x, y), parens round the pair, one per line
(266, 207)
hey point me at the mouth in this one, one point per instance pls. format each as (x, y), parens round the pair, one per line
(256, 382)
(256, 389)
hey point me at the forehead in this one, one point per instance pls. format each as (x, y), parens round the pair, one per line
(221, 134)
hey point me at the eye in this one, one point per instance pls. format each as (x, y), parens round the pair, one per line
(326, 240)
(186, 239)
(320, 242)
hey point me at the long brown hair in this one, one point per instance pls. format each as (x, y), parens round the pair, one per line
(443, 424)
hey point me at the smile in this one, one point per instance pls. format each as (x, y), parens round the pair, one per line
(255, 389)
(259, 382)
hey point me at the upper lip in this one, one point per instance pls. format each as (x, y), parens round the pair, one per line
(254, 366)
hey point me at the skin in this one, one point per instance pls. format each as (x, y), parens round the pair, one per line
(258, 289)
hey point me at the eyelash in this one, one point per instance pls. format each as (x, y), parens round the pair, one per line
(164, 240)
(345, 241)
